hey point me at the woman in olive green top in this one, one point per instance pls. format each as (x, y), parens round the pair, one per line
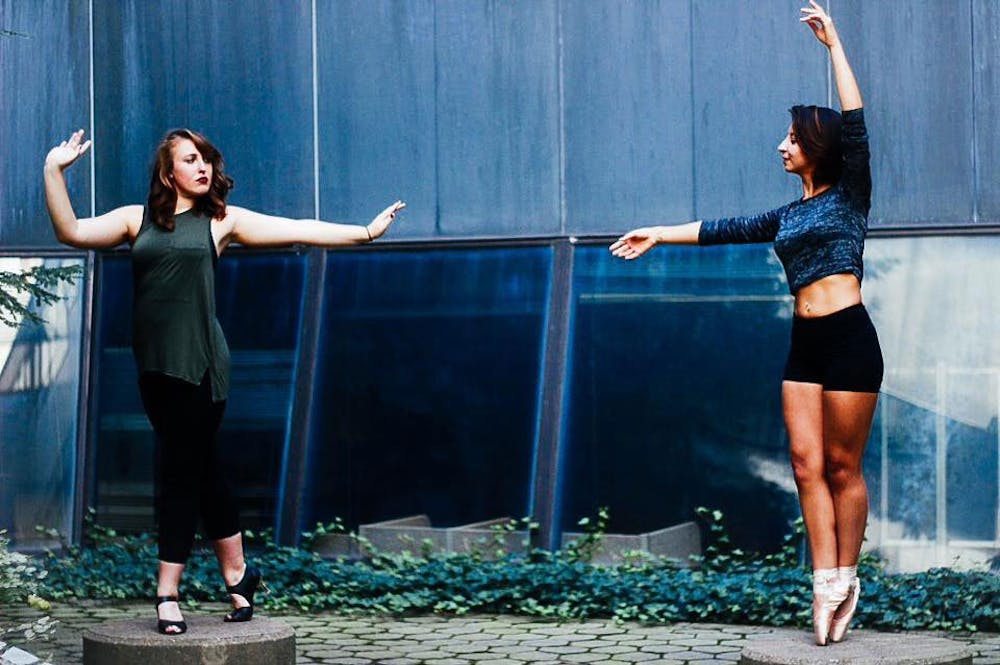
(179, 347)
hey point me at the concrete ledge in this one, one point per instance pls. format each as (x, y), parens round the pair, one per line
(481, 537)
(208, 641)
(679, 542)
(416, 534)
(406, 534)
(796, 647)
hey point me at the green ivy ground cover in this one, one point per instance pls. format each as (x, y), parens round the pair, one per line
(724, 585)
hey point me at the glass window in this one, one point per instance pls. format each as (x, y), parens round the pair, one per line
(934, 304)
(39, 387)
(258, 302)
(427, 385)
(674, 395)
(674, 391)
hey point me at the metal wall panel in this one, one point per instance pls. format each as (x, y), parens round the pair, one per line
(752, 61)
(627, 109)
(242, 77)
(376, 112)
(986, 106)
(469, 110)
(44, 95)
(497, 117)
(913, 61)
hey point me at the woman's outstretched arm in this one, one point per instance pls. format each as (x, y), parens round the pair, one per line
(822, 26)
(254, 229)
(637, 242)
(762, 227)
(106, 231)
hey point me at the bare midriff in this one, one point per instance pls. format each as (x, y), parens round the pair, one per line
(828, 295)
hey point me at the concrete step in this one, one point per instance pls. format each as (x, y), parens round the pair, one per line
(208, 640)
(860, 647)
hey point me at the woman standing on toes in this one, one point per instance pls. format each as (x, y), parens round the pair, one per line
(834, 367)
(179, 347)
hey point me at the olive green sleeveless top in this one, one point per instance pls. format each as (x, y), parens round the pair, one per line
(174, 329)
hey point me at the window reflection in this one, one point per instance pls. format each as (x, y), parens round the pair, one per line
(934, 303)
(675, 391)
(39, 385)
(675, 371)
(258, 303)
(427, 385)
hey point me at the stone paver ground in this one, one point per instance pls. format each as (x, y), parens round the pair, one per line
(469, 640)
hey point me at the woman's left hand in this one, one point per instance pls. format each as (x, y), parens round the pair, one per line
(821, 23)
(378, 226)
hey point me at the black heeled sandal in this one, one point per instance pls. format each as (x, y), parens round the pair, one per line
(163, 624)
(246, 587)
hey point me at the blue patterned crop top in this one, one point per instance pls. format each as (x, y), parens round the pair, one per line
(820, 236)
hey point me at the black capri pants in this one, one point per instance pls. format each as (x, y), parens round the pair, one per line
(839, 351)
(190, 481)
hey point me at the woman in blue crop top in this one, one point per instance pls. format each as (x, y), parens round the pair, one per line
(181, 353)
(834, 368)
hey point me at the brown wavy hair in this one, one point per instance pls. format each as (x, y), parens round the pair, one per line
(817, 129)
(162, 200)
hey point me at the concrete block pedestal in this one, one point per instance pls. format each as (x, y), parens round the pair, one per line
(797, 647)
(208, 641)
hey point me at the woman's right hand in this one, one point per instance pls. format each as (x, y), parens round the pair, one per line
(822, 25)
(635, 243)
(67, 152)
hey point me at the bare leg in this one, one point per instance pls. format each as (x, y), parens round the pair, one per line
(229, 552)
(847, 420)
(803, 410)
(168, 581)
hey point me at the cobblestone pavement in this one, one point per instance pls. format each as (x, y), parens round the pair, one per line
(470, 640)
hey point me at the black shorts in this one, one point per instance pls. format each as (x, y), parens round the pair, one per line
(839, 351)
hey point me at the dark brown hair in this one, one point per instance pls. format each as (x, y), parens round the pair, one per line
(162, 199)
(817, 130)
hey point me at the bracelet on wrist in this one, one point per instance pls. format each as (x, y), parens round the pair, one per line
(368, 231)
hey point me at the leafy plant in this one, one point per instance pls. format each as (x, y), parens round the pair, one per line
(725, 584)
(20, 579)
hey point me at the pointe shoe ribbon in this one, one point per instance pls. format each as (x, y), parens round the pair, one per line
(842, 617)
(828, 595)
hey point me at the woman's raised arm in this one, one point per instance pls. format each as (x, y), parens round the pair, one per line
(103, 232)
(822, 26)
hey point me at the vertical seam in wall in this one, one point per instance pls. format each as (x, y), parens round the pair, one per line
(315, 114)
(829, 65)
(975, 128)
(80, 472)
(561, 119)
(437, 123)
(93, 152)
(694, 136)
(996, 531)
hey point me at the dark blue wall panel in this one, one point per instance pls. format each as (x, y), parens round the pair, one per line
(44, 95)
(376, 112)
(752, 61)
(986, 40)
(913, 61)
(239, 73)
(497, 117)
(627, 106)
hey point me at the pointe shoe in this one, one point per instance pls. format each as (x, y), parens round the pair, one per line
(827, 597)
(246, 587)
(842, 617)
